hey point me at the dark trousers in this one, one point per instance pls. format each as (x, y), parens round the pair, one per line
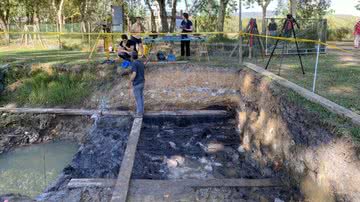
(125, 56)
(185, 44)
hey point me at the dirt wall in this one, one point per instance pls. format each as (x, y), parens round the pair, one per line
(25, 129)
(284, 135)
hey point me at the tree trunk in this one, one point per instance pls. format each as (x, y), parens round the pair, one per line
(293, 4)
(263, 27)
(173, 16)
(222, 13)
(152, 16)
(60, 18)
(163, 16)
(5, 25)
(186, 6)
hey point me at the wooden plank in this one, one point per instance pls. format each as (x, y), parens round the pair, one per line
(151, 184)
(81, 112)
(89, 112)
(91, 182)
(122, 183)
(331, 106)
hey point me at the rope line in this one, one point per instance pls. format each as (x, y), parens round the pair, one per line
(241, 33)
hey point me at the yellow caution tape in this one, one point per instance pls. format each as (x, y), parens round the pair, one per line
(193, 33)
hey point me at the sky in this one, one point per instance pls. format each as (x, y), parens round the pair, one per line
(339, 6)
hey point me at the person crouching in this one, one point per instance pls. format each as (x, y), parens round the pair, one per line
(126, 47)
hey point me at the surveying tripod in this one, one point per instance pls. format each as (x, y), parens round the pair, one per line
(252, 28)
(288, 29)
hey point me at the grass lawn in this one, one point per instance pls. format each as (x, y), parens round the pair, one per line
(42, 88)
(30, 56)
(338, 76)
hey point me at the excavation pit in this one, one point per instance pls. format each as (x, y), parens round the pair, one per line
(269, 135)
(193, 148)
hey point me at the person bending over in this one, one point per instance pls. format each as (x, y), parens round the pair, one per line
(137, 78)
(186, 26)
(126, 47)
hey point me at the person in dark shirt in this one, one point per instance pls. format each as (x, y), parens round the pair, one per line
(186, 26)
(137, 78)
(272, 27)
(126, 47)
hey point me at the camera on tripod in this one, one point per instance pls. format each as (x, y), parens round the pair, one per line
(288, 31)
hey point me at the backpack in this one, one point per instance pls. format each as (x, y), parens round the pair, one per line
(171, 57)
(160, 56)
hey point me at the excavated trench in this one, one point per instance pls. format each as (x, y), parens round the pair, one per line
(193, 148)
(264, 136)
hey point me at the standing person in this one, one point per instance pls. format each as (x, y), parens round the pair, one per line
(186, 26)
(272, 27)
(137, 78)
(357, 34)
(136, 29)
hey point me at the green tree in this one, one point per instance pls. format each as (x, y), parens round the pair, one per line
(357, 6)
(264, 5)
(212, 13)
(312, 8)
(163, 15)
(7, 8)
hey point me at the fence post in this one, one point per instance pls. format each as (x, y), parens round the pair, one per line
(316, 65)
(59, 41)
(240, 34)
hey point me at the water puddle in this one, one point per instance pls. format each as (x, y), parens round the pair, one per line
(29, 170)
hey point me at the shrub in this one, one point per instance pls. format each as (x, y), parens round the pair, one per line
(55, 89)
(339, 34)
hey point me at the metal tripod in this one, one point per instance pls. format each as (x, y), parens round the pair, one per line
(290, 20)
(254, 30)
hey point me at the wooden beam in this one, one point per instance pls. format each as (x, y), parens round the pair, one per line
(147, 184)
(331, 106)
(122, 183)
(89, 112)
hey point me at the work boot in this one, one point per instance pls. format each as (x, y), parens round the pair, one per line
(138, 115)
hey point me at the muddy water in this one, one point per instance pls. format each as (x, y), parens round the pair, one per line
(188, 148)
(29, 170)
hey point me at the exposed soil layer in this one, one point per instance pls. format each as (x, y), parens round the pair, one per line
(25, 129)
(326, 167)
(171, 87)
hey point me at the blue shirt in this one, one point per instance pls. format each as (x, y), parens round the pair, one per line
(138, 67)
(186, 24)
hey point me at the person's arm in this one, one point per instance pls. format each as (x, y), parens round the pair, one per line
(133, 72)
(132, 76)
(123, 50)
(191, 27)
